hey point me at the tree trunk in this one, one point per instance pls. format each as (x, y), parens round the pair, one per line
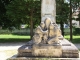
(31, 25)
(70, 21)
(62, 27)
(79, 23)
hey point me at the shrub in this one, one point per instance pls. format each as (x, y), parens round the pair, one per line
(77, 31)
(21, 32)
(5, 32)
(16, 32)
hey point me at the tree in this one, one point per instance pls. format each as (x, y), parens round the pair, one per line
(34, 8)
(70, 21)
(24, 12)
(3, 18)
(62, 13)
(74, 4)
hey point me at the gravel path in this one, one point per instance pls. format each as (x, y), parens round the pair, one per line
(10, 46)
(9, 49)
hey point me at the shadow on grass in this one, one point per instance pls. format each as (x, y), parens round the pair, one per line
(13, 40)
(22, 34)
(76, 40)
(2, 40)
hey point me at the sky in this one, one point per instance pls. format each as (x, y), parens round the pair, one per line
(67, 1)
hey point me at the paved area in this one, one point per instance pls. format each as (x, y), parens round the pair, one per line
(9, 49)
(77, 45)
(10, 46)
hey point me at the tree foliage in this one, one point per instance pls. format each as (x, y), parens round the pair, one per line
(62, 13)
(3, 19)
(16, 12)
(62, 10)
(19, 11)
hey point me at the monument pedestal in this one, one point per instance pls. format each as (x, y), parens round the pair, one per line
(64, 50)
(46, 50)
(25, 50)
(69, 49)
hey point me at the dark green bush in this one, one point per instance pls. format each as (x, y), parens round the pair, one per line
(16, 32)
(77, 31)
(21, 32)
(5, 32)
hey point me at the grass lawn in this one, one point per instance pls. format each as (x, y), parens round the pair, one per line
(76, 39)
(14, 38)
(24, 38)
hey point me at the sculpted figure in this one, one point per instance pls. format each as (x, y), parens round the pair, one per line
(47, 32)
(45, 36)
(53, 40)
(51, 31)
(58, 30)
(47, 22)
(37, 38)
(53, 37)
(59, 33)
(42, 25)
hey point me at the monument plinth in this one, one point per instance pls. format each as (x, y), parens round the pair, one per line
(47, 39)
(47, 50)
(48, 9)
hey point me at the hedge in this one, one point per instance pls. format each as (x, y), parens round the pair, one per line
(16, 32)
(77, 31)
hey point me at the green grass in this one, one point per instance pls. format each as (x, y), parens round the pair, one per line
(76, 39)
(68, 36)
(14, 38)
(24, 38)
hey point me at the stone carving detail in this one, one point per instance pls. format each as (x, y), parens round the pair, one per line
(38, 35)
(47, 33)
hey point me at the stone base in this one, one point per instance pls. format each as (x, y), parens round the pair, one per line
(46, 50)
(65, 49)
(61, 37)
(69, 50)
(39, 58)
(25, 50)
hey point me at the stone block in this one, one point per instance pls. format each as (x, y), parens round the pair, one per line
(69, 50)
(61, 38)
(25, 50)
(47, 50)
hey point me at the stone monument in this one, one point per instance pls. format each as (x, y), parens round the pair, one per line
(47, 39)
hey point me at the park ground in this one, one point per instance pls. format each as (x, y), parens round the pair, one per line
(7, 50)
(9, 45)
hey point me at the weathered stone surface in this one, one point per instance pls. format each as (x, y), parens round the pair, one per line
(40, 58)
(47, 50)
(25, 50)
(47, 22)
(60, 37)
(37, 38)
(48, 9)
(69, 50)
(42, 25)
